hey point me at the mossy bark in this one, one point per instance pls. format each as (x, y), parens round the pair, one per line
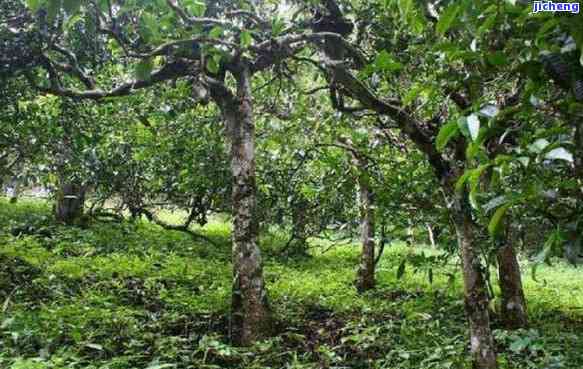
(250, 312)
(475, 288)
(70, 202)
(513, 306)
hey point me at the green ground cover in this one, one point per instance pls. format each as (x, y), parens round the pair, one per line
(122, 295)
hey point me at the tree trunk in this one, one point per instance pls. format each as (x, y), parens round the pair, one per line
(15, 193)
(249, 306)
(366, 272)
(475, 289)
(70, 203)
(299, 244)
(431, 236)
(513, 307)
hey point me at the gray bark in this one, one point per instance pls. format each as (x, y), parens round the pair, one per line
(475, 289)
(513, 307)
(251, 317)
(366, 272)
(70, 203)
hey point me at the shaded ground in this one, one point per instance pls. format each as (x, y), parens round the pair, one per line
(121, 296)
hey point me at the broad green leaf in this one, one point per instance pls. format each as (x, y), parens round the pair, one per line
(463, 125)
(472, 176)
(412, 94)
(143, 70)
(277, 26)
(524, 160)
(488, 23)
(495, 221)
(213, 64)
(539, 145)
(473, 149)
(384, 62)
(473, 126)
(497, 58)
(520, 344)
(196, 7)
(494, 203)
(475, 175)
(246, 39)
(446, 18)
(489, 111)
(459, 185)
(446, 133)
(216, 32)
(34, 5)
(559, 153)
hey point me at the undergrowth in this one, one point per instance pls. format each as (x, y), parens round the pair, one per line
(132, 295)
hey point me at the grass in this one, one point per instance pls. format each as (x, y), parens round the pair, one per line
(122, 295)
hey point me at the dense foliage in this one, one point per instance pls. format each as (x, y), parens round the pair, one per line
(456, 125)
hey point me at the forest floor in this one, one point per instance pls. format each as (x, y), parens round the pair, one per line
(125, 296)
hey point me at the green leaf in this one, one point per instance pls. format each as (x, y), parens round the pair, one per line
(539, 145)
(149, 27)
(463, 125)
(384, 62)
(447, 18)
(94, 346)
(216, 32)
(196, 7)
(497, 58)
(34, 5)
(446, 133)
(494, 225)
(143, 70)
(487, 25)
(459, 185)
(520, 344)
(405, 7)
(473, 126)
(277, 26)
(246, 39)
(213, 63)
(559, 153)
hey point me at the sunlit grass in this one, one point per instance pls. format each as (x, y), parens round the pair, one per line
(118, 295)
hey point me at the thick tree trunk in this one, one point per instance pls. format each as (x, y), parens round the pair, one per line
(513, 306)
(70, 203)
(366, 272)
(250, 310)
(475, 289)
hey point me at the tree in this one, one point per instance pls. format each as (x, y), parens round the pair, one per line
(215, 47)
